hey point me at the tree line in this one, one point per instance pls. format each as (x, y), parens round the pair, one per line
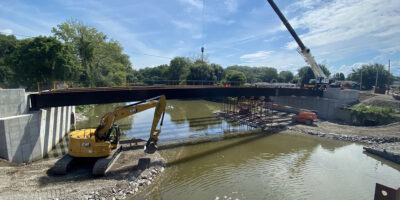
(82, 54)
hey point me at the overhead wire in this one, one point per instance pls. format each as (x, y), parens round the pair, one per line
(25, 36)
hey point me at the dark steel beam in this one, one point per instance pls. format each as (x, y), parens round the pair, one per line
(82, 96)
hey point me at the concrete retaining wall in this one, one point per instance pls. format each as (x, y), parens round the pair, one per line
(27, 136)
(329, 108)
(13, 102)
(342, 96)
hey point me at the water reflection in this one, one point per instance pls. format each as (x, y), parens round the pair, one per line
(183, 120)
(259, 166)
(278, 166)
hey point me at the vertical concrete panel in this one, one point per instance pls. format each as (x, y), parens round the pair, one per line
(3, 141)
(57, 119)
(26, 150)
(63, 122)
(51, 118)
(38, 150)
(47, 137)
(68, 122)
(14, 134)
(8, 139)
(24, 122)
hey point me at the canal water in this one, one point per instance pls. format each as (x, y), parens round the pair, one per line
(285, 165)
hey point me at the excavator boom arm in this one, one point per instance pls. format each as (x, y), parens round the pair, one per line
(303, 50)
(110, 118)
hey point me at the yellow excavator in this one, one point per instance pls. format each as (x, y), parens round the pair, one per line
(102, 143)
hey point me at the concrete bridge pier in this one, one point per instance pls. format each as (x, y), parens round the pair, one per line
(29, 135)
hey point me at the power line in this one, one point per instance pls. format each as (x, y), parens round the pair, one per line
(149, 55)
(26, 36)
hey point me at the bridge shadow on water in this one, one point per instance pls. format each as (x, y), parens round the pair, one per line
(81, 170)
(250, 137)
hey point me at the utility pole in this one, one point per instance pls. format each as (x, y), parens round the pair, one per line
(376, 79)
(388, 82)
(202, 53)
(361, 79)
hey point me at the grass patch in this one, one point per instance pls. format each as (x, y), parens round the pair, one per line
(372, 115)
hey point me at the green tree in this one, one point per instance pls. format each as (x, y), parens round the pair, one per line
(305, 73)
(339, 76)
(285, 76)
(369, 73)
(102, 60)
(41, 59)
(8, 45)
(178, 68)
(268, 73)
(325, 70)
(235, 77)
(251, 76)
(200, 73)
(218, 71)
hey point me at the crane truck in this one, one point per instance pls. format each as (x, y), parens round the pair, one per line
(321, 81)
(102, 143)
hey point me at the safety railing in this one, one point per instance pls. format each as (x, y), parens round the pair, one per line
(57, 85)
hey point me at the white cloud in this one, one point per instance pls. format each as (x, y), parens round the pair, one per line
(197, 36)
(280, 60)
(6, 31)
(254, 57)
(347, 69)
(231, 5)
(194, 3)
(361, 24)
(182, 24)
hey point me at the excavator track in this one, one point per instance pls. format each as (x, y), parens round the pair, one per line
(62, 165)
(102, 165)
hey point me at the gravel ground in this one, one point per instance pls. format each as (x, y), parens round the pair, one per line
(365, 134)
(125, 178)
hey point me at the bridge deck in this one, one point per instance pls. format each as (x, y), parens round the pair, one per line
(101, 95)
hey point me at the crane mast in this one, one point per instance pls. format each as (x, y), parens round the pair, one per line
(320, 76)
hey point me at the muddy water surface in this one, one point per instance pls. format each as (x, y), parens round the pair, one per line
(279, 166)
(261, 166)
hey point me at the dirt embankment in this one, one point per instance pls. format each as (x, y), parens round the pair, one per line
(133, 171)
(364, 134)
(388, 133)
(382, 100)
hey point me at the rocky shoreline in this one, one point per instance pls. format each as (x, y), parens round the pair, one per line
(350, 138)
(131, 173)
(125, 188)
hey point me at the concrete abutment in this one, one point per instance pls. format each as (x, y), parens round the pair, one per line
(332, 106)
(28, 135)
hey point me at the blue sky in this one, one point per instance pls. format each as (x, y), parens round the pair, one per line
(342, 34)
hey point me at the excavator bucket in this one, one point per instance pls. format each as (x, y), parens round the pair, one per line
(151, 147)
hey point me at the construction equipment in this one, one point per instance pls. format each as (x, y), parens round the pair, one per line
(301, 115)
(321, 81)
(304, 116)
(102, 143)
